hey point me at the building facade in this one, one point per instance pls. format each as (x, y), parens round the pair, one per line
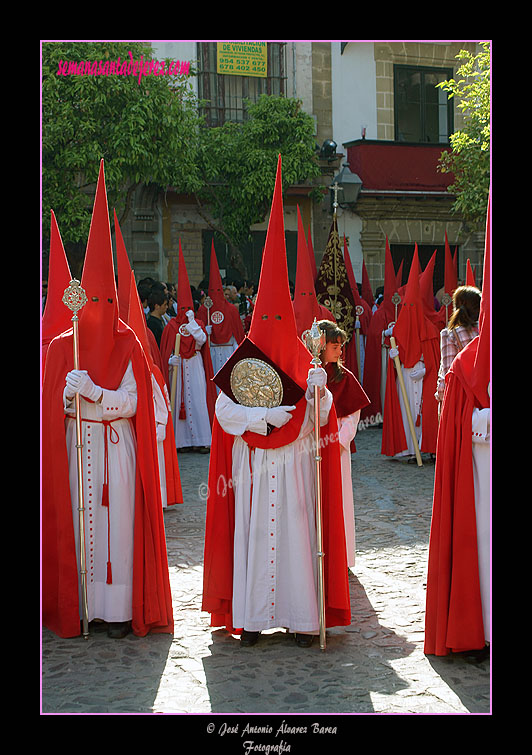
(377, 106)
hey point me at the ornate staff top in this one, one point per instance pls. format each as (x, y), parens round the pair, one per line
(396, 300)
(315, 340)
(74, 297)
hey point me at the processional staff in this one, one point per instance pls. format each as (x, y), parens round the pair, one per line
(315, 343)
(401, 379)
(75, 298)
(446, 300)
(359, 311)
(177, 346)
(208, 304)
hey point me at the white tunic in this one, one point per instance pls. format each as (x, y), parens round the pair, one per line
(195, 429)
(362, 355)
(413, 377)
(220, 353)
(274, 581)
(347, 428)
(112, 602)
(160, 405)
(481, 476)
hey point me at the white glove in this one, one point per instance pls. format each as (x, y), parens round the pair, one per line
(317, 376)
(278, 415)
(160, 431)
(418, 374)
(357, 324)
(174, 360)
(190, 315)
(388, 332)
(208, 328)
(394, 353)
(78, 381)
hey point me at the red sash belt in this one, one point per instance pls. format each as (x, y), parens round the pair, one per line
(114, 438)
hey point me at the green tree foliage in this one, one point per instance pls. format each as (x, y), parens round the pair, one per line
(99, 101)
(239, 162)
(145, 128)
(469, 159)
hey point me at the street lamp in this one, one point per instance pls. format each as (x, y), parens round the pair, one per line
(328, 150)
(349, 184)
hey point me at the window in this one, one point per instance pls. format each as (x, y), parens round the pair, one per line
(423, 112)
(225, 95)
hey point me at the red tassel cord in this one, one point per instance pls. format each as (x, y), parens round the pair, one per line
(105, 486)
(182, 412)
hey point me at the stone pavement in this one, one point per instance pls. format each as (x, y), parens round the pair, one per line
(375, 665)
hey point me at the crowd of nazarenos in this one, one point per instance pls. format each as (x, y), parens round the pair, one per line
(149, 355)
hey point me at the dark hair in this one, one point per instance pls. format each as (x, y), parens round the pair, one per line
(144, 291)
(333, 334)
(156, 297)
(466, 307)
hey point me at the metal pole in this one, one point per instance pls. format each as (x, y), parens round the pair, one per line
(75, 298)
(315, 341)
(401, 379)
(208, 304)
(174, 375)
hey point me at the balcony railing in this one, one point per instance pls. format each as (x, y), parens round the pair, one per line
(398, 167)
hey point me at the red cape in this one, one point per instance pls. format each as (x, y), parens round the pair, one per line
(417, 337)
(372, 359)
(393, 433)
(174, 492)
(348, 395)
(381, 319)
(393, 439)
(453, 619)
(152, 600)
(220, 522)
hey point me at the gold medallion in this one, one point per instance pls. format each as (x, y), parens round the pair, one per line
(256, 383)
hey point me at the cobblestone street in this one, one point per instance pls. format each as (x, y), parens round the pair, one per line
(375, 665)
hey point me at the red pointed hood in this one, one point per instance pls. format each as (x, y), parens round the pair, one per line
(450, 277)
(223, 315)
(367, 293)
(216, 289)
(390, 278)
(306, 306)
(273, 324)
(426, 285)
(390, 286)
(56, 317)
(399, 276)
(409, 327)
(102, 349)
(311, 256)
(184, 294)
(184, 304)
(470, 276)
(123, 268)
(481, 374)
(365, 316)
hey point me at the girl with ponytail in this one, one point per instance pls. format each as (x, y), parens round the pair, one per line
(461, 329)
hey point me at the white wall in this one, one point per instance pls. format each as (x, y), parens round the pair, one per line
(183, 50)
(354, 106)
